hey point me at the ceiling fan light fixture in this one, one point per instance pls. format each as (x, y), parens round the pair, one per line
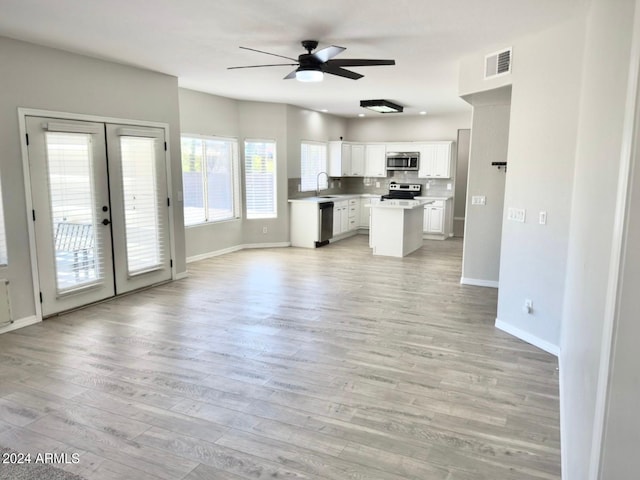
(381, 106)
(309, 75)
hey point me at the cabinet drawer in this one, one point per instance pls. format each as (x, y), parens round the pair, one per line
(353, 201)
(436, 203)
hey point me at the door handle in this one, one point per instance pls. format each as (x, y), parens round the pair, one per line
(106, 222)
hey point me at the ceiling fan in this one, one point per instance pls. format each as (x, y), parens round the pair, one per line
(313, 66)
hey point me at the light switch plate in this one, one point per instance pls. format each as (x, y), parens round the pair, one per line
(542, 218)
(478, 200)
(516, 214)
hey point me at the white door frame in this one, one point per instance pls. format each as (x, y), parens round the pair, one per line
(31, 112)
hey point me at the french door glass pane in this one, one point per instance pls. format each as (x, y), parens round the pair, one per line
(260, 179)
(142, 229)
(73, 212)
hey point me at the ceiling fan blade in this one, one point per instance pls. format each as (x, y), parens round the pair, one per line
(328, 53)
(341, 72)
(270, 65)
(291, 75)
(269, 53)
(359, 62)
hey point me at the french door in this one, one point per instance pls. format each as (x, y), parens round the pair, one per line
(101, 219)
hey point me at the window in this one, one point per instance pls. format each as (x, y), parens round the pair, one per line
(209, 178)
(313, 161)
(260, 178)
(3, 240)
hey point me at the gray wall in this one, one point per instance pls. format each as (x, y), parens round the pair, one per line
(405, 129)
(462, 170)
(44, 78)
(586, 326)
(206, 114)
(483, 223)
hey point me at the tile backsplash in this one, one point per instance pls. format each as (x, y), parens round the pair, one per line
(375, 185)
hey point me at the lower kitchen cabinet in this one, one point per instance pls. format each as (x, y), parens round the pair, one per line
(433, 219)
(438, 219)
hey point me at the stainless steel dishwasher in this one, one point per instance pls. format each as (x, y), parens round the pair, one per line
(326, 223)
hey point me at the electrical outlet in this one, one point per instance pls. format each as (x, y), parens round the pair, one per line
(377, 184)
(528, 306)
(449, 186)
(264, 229)
(299, 187)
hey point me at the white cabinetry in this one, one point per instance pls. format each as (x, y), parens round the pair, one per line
(434, 219)
(438, 219)
(357, 160)
(375, 160)
(435, 160)
(340, 211)
(346, 159)
(354, 214)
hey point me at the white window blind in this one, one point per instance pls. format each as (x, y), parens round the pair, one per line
(141, 214)
(209, 178)
(260, 178)
(313, 161)
(73, 213)
(3, 238)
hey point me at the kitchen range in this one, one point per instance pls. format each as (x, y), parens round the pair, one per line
(402, 191)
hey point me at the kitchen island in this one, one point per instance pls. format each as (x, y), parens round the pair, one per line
(397, 227)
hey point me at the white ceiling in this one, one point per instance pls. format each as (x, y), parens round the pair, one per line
(196, 40)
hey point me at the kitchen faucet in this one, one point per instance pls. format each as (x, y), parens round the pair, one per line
(318, 182)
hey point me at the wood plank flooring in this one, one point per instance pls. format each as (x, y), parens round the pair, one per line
(288, 363)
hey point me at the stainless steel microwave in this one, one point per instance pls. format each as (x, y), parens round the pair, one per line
(403, 160)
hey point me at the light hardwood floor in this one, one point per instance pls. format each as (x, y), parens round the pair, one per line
(288, 363)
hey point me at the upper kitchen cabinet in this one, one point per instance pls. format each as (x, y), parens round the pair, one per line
(346, 159)
(375, 164)
(435, 159)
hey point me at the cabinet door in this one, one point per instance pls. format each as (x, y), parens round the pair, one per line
(435, 220)
(337, 219)
(346, 160)
(375, 161)
(427, 161)
(442, 161)
(344, 219)
(357, 160)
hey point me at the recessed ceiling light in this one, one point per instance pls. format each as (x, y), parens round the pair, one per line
(324, 110)
(423, 113)
(361, 114)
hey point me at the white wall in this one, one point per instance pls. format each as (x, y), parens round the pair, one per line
(542, 139)
(44, 78)
(584, 327)
(483, 223)
(407, 128)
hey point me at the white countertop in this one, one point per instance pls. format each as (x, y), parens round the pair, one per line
(402, 204)
(328, 198)
(430, 197)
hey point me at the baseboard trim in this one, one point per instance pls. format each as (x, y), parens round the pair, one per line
(235, 248)
(527, 337)
(181, 275)
(476, 282)
(21, 323)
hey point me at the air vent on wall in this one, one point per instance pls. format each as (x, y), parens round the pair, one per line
(497, 63)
